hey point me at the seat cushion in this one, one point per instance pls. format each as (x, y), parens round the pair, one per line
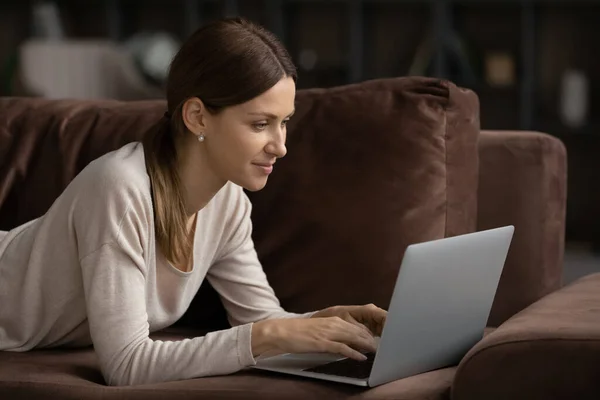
(74, 374)
(550, 350)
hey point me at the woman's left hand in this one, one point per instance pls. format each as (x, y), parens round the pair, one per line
(369, 316)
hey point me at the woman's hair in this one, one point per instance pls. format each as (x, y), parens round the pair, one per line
(224, 63)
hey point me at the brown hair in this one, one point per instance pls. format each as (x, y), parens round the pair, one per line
(224, 63)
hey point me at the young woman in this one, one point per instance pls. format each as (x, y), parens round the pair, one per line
(122, 252)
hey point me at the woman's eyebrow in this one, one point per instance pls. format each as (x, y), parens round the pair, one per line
(268, 114)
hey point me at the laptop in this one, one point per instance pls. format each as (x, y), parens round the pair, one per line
(439, 308)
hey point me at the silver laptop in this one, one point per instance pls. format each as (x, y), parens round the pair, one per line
(438, 311)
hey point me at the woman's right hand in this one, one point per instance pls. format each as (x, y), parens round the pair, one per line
(312, 335)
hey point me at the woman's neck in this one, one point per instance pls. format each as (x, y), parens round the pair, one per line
(199, 182)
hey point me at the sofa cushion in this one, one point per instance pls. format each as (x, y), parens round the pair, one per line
(45, 143)
(370, 169)
(523, 182)
(550, 350)
(74, 374)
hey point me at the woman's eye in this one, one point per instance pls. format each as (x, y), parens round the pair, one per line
(260, 126)
(284, 122)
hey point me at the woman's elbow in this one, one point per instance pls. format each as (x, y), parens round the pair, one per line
(114, 379)
(125, 378)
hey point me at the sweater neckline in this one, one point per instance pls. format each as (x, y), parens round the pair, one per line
(193, 261)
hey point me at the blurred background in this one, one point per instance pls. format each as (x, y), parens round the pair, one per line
(533, 63)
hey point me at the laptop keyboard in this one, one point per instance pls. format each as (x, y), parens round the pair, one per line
(347, 367)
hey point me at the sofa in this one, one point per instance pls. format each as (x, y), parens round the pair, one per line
(371, 168)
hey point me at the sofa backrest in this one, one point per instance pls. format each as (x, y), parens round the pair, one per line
(371, 168)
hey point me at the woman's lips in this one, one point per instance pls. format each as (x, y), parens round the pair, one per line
(266, 168)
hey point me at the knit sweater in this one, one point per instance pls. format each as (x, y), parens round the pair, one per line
(90, 272)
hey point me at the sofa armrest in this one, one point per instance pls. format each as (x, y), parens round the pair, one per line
(523, 182)
(548, 351)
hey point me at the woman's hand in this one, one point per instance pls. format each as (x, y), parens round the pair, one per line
(369, 315)
(312, 335)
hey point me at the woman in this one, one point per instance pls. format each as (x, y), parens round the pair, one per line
(123, 250)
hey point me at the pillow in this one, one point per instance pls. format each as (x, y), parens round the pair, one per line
(371, 168)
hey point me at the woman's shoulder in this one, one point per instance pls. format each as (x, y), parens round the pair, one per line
(111, 198)
(112, 185)
(121, 171)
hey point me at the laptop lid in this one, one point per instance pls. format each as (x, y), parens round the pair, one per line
(441, 303)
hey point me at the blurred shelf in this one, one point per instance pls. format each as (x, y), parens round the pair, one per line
(555, 127)
(234, 3)
(323, 77)
(498, 105)
(354, 40)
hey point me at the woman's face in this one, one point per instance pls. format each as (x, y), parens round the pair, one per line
(244, 141)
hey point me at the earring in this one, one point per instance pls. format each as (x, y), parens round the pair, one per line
(201, 137)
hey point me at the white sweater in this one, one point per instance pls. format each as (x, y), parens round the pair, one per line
(90, 272)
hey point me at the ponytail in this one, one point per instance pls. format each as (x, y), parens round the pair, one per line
(170, 216)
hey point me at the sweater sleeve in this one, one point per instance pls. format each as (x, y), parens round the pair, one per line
(112, 225)
(115, 295)
(239, 278)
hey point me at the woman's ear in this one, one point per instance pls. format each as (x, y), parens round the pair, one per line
(194, 115)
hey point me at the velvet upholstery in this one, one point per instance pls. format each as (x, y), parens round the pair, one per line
(74, 374)
(523, 182)
(548, 351)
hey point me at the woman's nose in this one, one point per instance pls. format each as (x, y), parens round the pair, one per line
(276, 146)
(277, 149)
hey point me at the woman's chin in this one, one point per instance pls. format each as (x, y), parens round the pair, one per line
(253, 184)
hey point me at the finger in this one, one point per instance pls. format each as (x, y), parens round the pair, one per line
(357, 329)
(351, 334)
(377, 325)
(369, 328)
(370, 315)
(365, 344)
(381, 326)
(345, 350)
(365, 330)
(359, 338)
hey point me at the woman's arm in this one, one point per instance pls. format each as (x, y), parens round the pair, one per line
(112, 218)
(239, 278)
(115, 295)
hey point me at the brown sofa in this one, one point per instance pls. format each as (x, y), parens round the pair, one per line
(371, 168)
